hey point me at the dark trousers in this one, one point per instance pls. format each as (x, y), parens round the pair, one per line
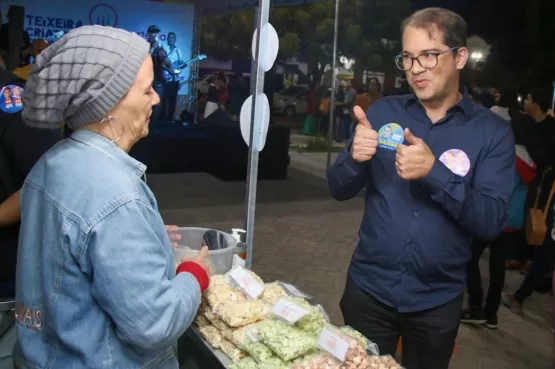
(428, 336)
(159, 87)
(541, 266)
(518, 249)
(170, 99)
(497, 257)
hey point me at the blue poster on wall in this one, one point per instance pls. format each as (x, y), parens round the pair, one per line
(175, 21)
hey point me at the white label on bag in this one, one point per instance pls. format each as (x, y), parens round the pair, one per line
(288, 311)
(292, 290)
(250, 334)
(333, 344)
(247, 282)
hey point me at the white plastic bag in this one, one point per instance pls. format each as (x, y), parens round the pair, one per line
(215, 321)
(285, 341)
(220, 290)
(352, 351)
(234, 353)
(201, 321)
(278, 289)
(240, 313)
(211, 335)
(296, 311)
(246, 341)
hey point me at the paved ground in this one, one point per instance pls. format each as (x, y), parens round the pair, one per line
(305, 237)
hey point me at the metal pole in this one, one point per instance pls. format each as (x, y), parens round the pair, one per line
(257, 88)
(553, 101)
(333, 84)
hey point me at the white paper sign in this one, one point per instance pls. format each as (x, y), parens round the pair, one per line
(293, 291)
(246, 281)
(333, 344)
(269, 46)
(288, 311)
(262, 121)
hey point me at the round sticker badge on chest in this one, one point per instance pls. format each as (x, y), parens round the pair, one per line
(10, 99)
(457, 161)
(390, 136)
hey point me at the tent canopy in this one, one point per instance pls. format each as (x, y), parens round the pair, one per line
(222, 6)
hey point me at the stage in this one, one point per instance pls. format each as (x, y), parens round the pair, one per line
(214, 146)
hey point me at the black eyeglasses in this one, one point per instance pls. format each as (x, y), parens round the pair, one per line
(427, 60)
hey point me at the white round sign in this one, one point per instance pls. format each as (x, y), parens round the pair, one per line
(262, 121)
(269, 46)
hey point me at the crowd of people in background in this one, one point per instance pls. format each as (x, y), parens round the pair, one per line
(534, 131)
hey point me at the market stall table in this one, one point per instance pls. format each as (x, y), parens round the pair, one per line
(194, 348)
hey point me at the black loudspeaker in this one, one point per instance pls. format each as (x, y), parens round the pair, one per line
(221, 118)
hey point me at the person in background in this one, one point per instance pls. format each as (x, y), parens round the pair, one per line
(222, 83)
(512, 237)
(374, 89)
(346, 107)
(437, 169)
(37, 46)
(161, 64)
(541, 266)
(338, 111)
(21, 147)
(366, 96)
(324, 103)
(172, 80)
(540, 141)
(363, 99)
(506, 104)
(485, 98)
(212, 98)
(96, 277)
(310, 128)
(541, 133)
(5, 41)
(238, 93)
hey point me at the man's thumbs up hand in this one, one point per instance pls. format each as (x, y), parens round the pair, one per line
(412, 139)
(365, 142)
(414, 161)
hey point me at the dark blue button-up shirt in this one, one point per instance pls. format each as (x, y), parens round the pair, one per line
(415, 236)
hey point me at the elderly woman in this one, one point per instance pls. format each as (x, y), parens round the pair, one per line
(97, 286)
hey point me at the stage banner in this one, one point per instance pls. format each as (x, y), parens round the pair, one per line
(46, 19)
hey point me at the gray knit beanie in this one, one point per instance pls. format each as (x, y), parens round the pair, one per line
(83, 75)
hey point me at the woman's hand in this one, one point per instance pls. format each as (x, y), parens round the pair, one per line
(172, 234)
(201, 259)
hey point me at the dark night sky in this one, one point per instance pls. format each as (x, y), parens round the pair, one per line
(463, 7)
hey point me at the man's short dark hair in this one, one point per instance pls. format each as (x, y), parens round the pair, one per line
(541, 97)
(172, 34)
(450, 24)
(153, 29)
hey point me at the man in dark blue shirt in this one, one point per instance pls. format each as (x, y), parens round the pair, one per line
(438, 169)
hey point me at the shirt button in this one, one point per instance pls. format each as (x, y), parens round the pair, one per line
(416, 213)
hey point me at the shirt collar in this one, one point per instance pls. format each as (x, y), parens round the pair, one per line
(465, 104)
(100, 143)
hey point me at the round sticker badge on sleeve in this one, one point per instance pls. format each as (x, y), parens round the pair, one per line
(10, 99)
(390, 136)
(457, 161)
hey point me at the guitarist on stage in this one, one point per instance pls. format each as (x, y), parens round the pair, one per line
(161, 65)
(172, 81)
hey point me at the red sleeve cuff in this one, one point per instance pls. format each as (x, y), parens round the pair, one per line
(197, 271)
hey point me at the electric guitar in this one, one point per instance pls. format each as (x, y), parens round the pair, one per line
(178, 68)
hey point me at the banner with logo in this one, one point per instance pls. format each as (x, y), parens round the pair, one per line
(48, 19)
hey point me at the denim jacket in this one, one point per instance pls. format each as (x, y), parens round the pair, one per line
(96, 284)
